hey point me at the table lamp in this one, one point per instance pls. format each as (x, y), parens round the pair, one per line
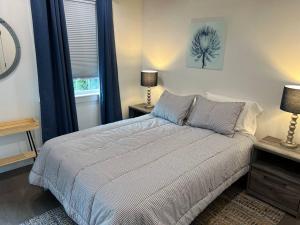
(291, 103)
(149, 79)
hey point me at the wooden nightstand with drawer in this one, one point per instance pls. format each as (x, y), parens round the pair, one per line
(138, 110)
(275, 175)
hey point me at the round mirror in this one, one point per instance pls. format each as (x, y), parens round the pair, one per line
(10, 51)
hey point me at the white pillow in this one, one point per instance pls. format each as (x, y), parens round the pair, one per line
(247, 119)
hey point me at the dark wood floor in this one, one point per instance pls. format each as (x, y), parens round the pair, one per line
(20, 201)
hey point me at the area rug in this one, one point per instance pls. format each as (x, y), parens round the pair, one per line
(233, 207)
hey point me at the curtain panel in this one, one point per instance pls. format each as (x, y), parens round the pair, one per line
(110, 102)
(58, 109)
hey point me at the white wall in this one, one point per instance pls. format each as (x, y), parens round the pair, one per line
(128, 19)
(262, 51)
(88, 111)
(19, 96)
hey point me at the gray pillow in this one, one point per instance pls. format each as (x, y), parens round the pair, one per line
(173, 107)
(220, 117)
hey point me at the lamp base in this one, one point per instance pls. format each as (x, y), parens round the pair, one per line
(289, 145)
(289, 140)
(147, 106)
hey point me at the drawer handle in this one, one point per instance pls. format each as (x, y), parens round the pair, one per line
(275, 181)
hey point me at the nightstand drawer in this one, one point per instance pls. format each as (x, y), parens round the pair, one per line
(275, 189)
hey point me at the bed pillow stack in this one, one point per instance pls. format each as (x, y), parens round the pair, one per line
(220, 117)
(173, 107)
(247, 122)
(215, 112)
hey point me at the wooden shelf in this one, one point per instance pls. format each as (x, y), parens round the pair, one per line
(272, 145)
(17, 126)
(17, 158)
(14, 127)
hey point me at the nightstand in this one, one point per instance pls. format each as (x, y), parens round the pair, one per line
(138, 110)
(275, 175)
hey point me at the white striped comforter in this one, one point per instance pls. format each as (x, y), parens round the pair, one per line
(140, 171)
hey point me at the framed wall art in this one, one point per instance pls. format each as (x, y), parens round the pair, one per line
(206, 46)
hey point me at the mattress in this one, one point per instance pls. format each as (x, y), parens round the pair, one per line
(144, 170)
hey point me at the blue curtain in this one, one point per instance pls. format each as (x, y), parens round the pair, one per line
(58, 109)
(110, 103)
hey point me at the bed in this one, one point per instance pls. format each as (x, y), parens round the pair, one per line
(145, 170)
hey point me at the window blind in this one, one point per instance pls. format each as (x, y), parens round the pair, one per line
(82, 35)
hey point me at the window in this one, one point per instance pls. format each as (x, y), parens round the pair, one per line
(82, 34)
(86, 86)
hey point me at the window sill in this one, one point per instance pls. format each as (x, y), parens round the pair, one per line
(91, 97)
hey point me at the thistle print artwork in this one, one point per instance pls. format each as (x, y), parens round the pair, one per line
(207, 44)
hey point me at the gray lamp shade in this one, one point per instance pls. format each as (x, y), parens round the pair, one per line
(149, 78)
(291, 99)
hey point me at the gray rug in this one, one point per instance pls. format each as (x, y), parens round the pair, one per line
(231, 208)
(234, 207)
(53, 217)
